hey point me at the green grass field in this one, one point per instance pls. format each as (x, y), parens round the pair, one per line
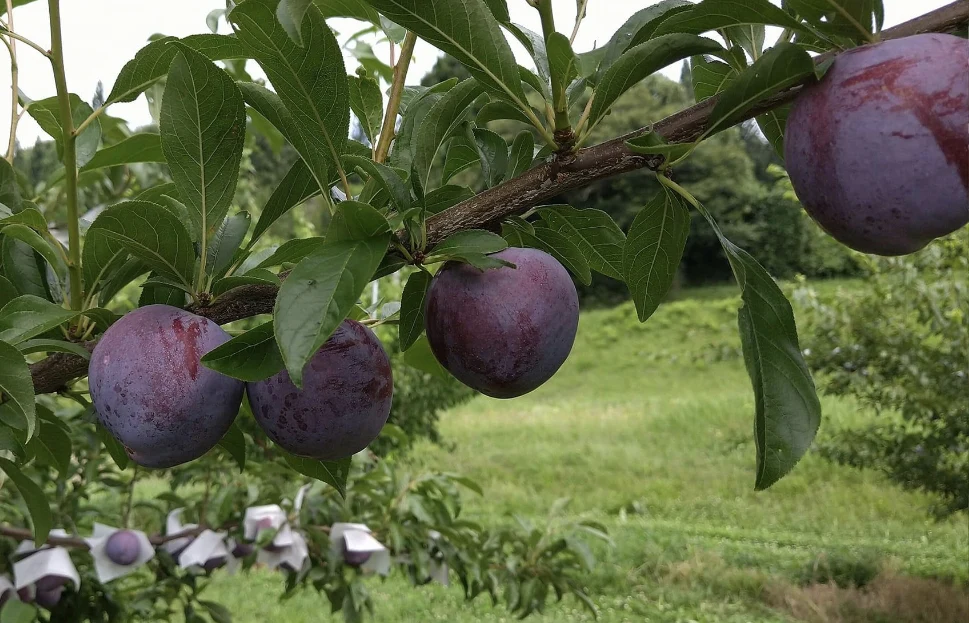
(647, 428)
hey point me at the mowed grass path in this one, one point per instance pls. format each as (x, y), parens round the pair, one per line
(648, 429)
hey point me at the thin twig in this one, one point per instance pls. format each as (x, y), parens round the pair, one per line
(393, 104)
(578, 21)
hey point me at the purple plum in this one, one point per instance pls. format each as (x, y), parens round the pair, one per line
(151, 392)
(878, 150)
(122, 547)
(345, 401)
(503, 331)
(214, 563)
(26, 595)
(50, 582)
(48, 598)
(241, 550)
(355, 559)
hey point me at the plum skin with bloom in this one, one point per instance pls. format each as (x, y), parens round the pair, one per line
(347, 392)
(878, 150)
(152, 393)
(122, 547)
(503, 331)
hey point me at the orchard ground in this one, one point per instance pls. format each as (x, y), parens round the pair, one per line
(647, 429)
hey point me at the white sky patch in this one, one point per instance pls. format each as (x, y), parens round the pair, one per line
(100, 36)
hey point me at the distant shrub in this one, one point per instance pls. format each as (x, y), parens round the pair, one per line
(901, 346)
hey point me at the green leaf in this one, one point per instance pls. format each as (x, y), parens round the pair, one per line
(297, 186)
(31, 238)
(420, 357)
(256, 276)
(102, 256)
(53, 346)
(783, 66)
(218, 612)
(402, 154)
(855, 19)
(321, 290)
(654, 144)
(54, 444)
(445, 197)
(215, 47)
(654, 248)
(750, 37)
(773, 124)
(468, 241)
(28, 316)
(151, 233)
(203, 127)
(534, 43)
(367, 103)
(641, 61)
(31, 217)
(333, 473)
(468, 31)
(7, 291)
(226, 242)
(711, 15)
(47, 114)
(563, 66)
(412, 308)
(17, 386)
(385, 177)
(152, 62)
(461, 155)
(143, 147)
(440, 123)
(709, 77)
(493, 111)
(252, 356)
(290, 15)
(493, 152)
(357, 9)
(292, 251)
(114, 448)
(563, 248)
(522, 154)
(639, 26)
(234, 442)
(16, 611)
(33, 495)
(9, 188)
(787, 408)
(594, 232)
(25, 268)
(355, 220)
(311, 80)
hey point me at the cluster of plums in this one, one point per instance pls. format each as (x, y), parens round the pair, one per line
(504, 332)
(878, 150)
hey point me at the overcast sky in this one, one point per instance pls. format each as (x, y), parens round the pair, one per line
(100, 36)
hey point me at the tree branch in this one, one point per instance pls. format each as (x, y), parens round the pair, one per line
(77, 542)
(517, 195)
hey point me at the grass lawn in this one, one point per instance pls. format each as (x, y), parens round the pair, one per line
(647, 428)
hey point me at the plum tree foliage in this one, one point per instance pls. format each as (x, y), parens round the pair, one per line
(167, 387)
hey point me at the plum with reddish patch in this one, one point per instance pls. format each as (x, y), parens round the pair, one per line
(345, 401)
(152, 394)
(503, 331)
(122, 547)
(878, 150)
